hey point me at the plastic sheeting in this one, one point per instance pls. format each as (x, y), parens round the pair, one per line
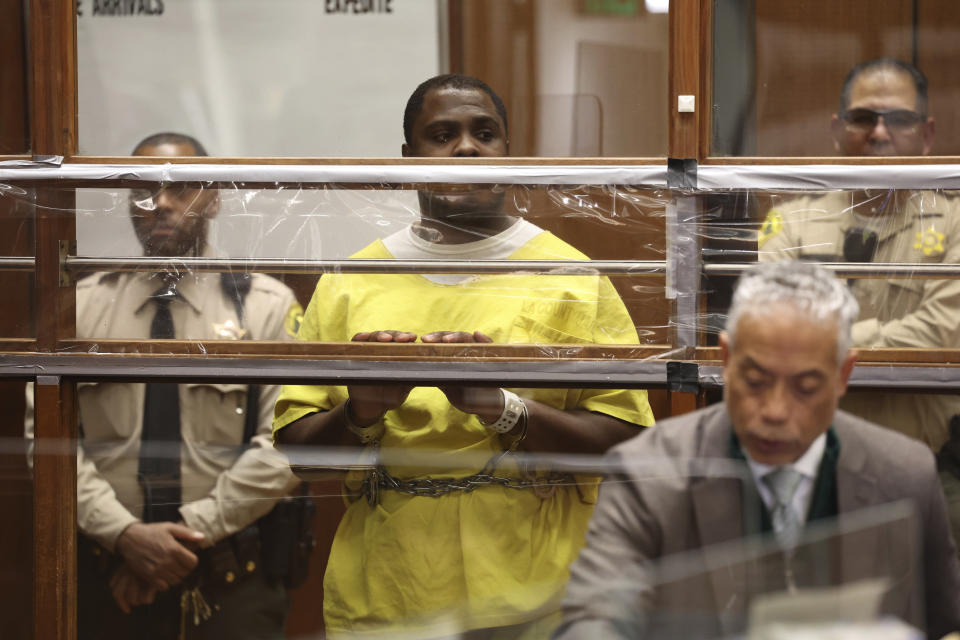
(660, 251)
(671, 255)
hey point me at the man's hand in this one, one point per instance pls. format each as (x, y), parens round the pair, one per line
(485, 402)
(455, 337)
(129, 590)
(368, 403)
(384, 336)
(156, 552)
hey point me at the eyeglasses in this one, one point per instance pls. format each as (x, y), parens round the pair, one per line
(897, 120)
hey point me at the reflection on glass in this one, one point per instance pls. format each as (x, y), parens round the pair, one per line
(171, 221)
(191, 465)
(859, 227)
(576, 82)
(921, 227)
(826, 79)
(671, 550)
(311, 222)
(709, 565)
(187, 514)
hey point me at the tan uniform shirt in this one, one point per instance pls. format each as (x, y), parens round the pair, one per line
(914, 227)
(224, 487)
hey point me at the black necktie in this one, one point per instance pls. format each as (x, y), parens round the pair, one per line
(160, 439)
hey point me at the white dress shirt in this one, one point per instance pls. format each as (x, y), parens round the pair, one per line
(807, 465)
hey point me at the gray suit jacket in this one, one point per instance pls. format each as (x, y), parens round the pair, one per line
(666, 554)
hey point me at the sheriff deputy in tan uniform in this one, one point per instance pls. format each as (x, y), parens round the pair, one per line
(908, 226)
(156, 564)
(883, 111)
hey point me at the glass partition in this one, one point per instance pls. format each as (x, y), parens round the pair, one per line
(285, 537)
(227, 316)
(914, 229)
(895, 248)
(327, 225)
(576, 80)
(298, 545)
(17, 223)
(381, 403)
(703, 571)
(780, 70)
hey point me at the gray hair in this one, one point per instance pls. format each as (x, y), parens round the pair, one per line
(805, 286)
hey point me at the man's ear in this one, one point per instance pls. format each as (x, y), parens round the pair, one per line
(929, 129)
(405, 150)
(846, 369)
(724, 348)
(836, 129)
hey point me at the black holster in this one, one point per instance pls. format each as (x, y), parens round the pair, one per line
(948, 459)
(287, 540)
(279, 545)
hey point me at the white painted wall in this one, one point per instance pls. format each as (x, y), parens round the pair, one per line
(254, 78)
(561, 28)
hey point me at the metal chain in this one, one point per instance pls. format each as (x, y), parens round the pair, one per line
(378, 478)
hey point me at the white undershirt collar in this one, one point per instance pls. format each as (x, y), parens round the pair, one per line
(407, 245)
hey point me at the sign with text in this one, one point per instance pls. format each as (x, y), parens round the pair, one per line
(612, 7)
(253, 77)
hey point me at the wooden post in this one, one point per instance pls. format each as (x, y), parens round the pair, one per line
(684, 77)
(55, 511)
(53, 124)
(681, 403)
(53, 77)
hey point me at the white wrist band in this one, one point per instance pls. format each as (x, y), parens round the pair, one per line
(366, 434)
(513, 410)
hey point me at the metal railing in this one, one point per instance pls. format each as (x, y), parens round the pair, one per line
(76, 264)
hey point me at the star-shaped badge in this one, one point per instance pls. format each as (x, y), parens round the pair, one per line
(229, 331)
(930, 242)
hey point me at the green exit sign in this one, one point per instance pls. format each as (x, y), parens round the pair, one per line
(612, 7)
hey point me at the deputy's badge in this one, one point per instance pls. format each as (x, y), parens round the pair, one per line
(770, 227)
(294, 319)
(229, 330)
(930, 242)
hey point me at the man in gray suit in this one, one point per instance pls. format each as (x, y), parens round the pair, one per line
(774, 457)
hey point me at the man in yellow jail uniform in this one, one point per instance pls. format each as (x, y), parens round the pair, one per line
(884, 112)
(491, 562)
(172, 522)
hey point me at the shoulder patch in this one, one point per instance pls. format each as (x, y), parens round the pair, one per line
(770, 227)
(293, 319)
